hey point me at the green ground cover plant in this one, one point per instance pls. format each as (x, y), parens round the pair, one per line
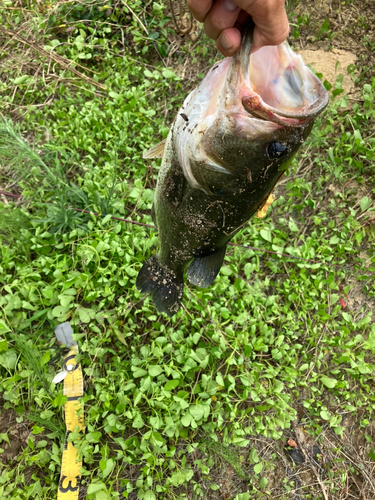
(199, 405)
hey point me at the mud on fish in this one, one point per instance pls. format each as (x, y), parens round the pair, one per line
(229, 144)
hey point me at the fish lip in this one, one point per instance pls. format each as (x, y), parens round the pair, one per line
(255, 105)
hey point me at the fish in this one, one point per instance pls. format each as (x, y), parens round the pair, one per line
(231, 141)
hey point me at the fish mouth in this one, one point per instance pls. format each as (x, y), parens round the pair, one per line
(274, 84)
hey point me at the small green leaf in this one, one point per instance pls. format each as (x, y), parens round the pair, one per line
(93, 488)
(37, 430)
(108, 466)
(41, 444)
(293, 226)
(45, 358)
(20, 79)
(3, 327)
(8, 359)
(3, 345)
(327, 85)
(334, 298)
(263, 482)
(85, 314)
(47, 414)
(167, 73)
(214, 487)
(196, 411)
(4, 437)
(181, 477)
(242, 496)
(329, 382)
(258, 468)
(59, 311)
(253, 456)
(65, 300)
(365, 203)
(106, 219)
(325, 415)
(219, 380)
(93, 437)
(171, 384)
(101, 495)
(186, 419)
(266, 235)
(347, 317)
(155, 422)
(138, 421)
(155, 370)
(149, 495)
(334, 240)
(226, 271)
(139, 372)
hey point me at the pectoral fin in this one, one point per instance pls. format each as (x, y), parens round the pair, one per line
(203, 270)
(156, 151)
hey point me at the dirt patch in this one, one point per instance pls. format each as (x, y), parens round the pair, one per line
(341, 30)
(331, 64)
(13, 435)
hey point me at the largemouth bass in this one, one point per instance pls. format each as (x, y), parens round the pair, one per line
(232, 139)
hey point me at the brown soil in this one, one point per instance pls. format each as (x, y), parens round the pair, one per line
(331, 65)
(17, 434)
(347, 37)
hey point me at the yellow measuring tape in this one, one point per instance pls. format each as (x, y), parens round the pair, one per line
(70, 476)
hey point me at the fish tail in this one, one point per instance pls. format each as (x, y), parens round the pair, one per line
(163, 284)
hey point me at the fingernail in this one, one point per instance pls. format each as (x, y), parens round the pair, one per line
(230, 5)
(225, 42)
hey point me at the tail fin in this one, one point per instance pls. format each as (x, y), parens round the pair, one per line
(164, 285)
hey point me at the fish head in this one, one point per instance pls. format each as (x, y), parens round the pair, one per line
(274, 84)
(251, 112)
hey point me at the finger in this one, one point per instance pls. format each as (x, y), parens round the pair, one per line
(270, 19)
(199, 8)
(229, 41)
(222, 15)
(243, 18)
(266, 36)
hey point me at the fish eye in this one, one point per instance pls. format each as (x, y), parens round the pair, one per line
(276, 149)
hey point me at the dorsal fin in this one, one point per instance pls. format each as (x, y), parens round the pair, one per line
(156, 151)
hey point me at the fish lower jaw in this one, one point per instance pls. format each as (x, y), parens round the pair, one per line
(256, 107)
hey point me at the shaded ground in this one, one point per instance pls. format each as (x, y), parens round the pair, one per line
(14, 435)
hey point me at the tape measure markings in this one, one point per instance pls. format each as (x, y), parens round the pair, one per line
(70, 477)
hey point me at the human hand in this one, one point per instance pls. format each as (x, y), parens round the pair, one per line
(223, 20)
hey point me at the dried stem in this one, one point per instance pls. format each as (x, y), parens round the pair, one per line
(63, 61)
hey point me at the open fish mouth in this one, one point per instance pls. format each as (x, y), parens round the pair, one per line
(276, 85)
